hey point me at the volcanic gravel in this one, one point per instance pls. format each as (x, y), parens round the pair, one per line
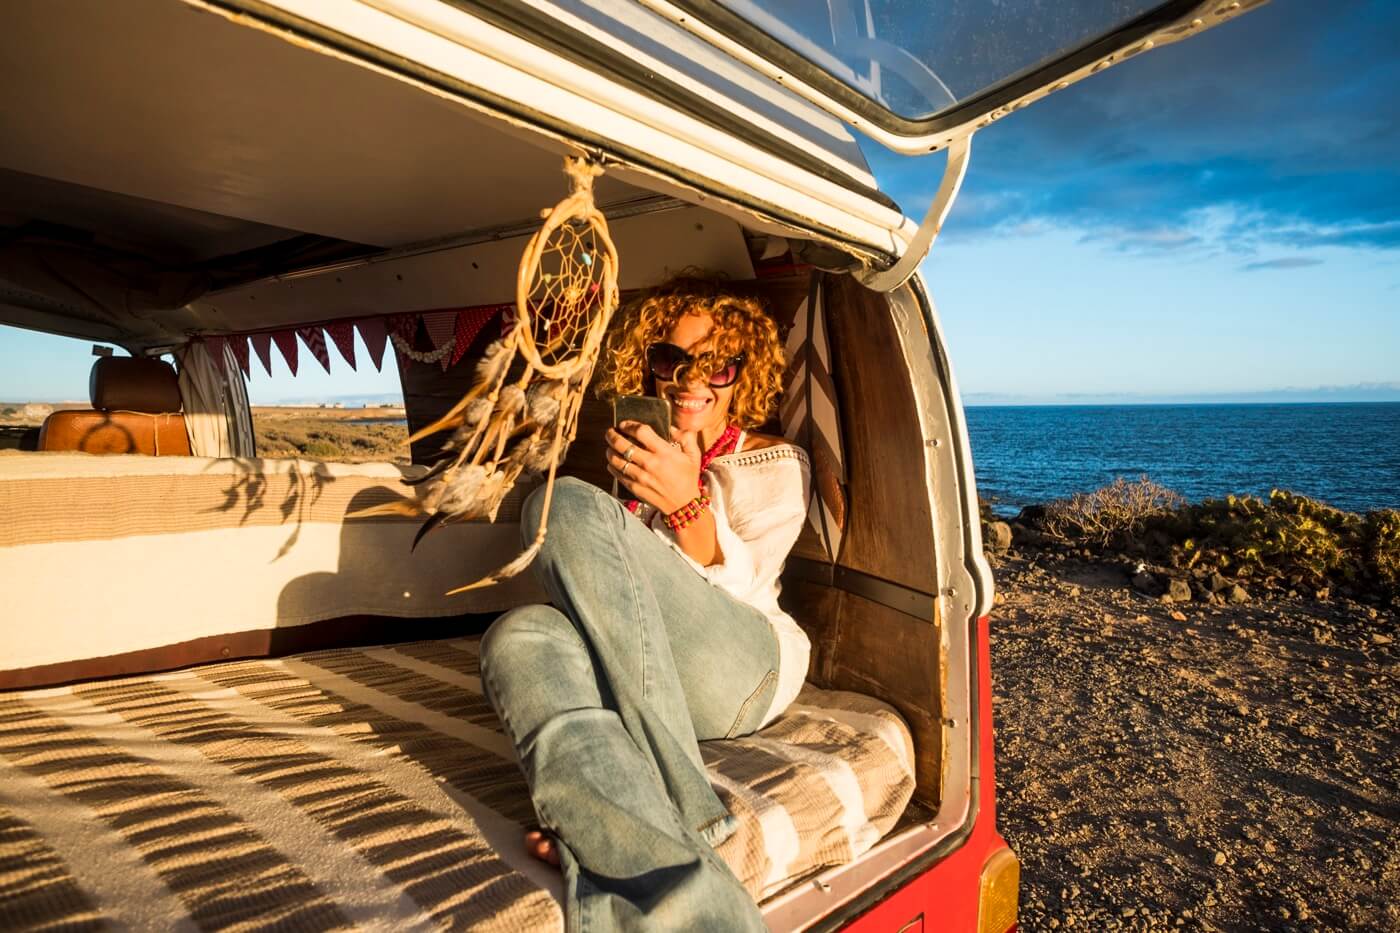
(1192, 766)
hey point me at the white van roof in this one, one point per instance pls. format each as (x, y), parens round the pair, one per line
(221, 139)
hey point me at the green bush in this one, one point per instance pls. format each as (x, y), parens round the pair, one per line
(1289, 537)
(1286, 540)
(320, 450)
(1382, 546)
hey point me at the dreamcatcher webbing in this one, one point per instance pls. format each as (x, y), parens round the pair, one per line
(521, 421)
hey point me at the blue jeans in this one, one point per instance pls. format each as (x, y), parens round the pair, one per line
(605, 694)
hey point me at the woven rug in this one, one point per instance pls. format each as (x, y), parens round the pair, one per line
(363, 788)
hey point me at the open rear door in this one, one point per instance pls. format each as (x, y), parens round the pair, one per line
(916, 74)
(920, 76)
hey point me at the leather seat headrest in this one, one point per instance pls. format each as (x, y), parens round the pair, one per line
(134, 383)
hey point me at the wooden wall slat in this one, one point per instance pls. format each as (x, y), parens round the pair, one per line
(869, 648)
(889, 529)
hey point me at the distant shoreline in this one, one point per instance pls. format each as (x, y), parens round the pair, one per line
(1154, 403)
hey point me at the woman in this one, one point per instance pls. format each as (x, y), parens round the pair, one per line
(664, 627)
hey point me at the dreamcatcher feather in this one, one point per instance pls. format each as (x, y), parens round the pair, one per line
(511, 422)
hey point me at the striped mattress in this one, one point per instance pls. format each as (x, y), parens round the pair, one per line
(368, 788)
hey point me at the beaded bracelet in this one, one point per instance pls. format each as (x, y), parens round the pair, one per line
(687, 513)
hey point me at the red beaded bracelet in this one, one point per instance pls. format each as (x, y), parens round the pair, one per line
(687, 513)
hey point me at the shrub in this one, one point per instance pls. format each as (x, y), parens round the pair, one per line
(1382, 546)
(1289, 536)
(321, 450)
(1118, 510)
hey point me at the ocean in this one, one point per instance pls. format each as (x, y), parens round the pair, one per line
(1347, 455)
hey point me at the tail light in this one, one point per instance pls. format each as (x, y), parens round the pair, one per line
(1000, 891)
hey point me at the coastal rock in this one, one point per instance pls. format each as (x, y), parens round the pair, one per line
(1179, 591)
(1238, 594)
(1217, 582)
(998, 537)
(1145, 582)
(1026, 535)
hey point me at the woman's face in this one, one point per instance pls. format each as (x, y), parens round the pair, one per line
(695, 405)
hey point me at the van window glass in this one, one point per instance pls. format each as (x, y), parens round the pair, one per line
(39, 374)
(917, 58)
(344, 416)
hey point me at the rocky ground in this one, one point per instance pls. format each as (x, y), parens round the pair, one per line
(1192, 765)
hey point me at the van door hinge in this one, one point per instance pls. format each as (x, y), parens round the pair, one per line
(885, 280)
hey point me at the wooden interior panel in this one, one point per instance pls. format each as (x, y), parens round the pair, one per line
(869, 648)
(889, 529)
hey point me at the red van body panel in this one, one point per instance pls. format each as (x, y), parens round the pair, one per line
(945, 898)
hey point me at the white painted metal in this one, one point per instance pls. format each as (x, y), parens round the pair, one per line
(655, 244)
(673, 54)
(954, 170)
(449, 41)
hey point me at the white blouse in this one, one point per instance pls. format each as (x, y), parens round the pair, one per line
(759, 499)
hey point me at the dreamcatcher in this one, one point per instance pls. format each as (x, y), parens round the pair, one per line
(513, 422)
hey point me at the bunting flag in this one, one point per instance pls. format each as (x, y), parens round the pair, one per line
(442, 330)
(262, 344)
(811, 419)
(215, 348)
(469, 324)
(342, 334)
(239, 345)
(441, 327)
(286, 341)
(404, 325)
(375, 335)
(315, 340)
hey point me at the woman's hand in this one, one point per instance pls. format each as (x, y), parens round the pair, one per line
(661, 473)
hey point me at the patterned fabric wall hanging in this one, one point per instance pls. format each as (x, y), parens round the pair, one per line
(811, 419)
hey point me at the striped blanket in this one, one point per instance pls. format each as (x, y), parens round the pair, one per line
(367, 788)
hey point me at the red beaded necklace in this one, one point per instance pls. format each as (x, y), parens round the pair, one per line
(724, 445)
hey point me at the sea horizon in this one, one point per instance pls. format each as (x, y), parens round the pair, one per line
(1346, 454)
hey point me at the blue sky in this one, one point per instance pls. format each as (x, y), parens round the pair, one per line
(1217, 216)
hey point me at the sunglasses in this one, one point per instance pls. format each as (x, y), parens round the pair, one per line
(665, 359)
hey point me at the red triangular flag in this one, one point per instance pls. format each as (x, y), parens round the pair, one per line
(239, 344)
(286, 341)
(262, 343)
(215, 348)
(342, 334)
(469, 324)
(315, 340)
(373, 333)
(405, 325)
(441, 327)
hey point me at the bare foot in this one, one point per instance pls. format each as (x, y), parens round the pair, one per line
(541, 846)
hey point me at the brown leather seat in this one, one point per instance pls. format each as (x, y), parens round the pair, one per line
(135, 410)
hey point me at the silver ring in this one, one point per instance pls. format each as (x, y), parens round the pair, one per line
(627, 457)
(625, 468)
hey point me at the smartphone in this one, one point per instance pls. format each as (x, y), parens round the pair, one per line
(648, 409)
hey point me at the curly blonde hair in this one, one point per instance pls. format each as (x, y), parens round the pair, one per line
(741, 327)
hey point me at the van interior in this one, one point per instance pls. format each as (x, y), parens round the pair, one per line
(266, 710)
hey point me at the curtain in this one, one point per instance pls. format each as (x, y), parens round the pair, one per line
(217, 417)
